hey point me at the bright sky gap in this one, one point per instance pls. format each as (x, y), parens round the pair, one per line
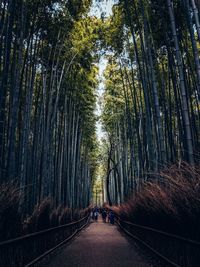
(98, 9)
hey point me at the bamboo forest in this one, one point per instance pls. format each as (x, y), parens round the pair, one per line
(100, 133)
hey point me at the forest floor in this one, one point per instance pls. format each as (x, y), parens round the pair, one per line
(99, 245)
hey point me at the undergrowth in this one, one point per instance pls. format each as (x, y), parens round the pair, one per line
(169, 202)
(45, 215)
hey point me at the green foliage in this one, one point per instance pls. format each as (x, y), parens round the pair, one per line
(114, 36)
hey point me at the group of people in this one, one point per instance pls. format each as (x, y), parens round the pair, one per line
(107, 215)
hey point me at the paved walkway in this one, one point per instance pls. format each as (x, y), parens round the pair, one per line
(99, 245)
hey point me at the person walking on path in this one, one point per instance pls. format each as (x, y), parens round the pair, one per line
(96, 213)
(92, 215)
(111, 217)
(104, 215)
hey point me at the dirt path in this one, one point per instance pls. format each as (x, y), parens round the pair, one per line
(99, 245)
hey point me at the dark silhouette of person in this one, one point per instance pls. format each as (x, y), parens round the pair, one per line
(104, 215)
(111, 217)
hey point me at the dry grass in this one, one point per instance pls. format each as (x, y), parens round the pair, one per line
(171, 203)
(45, 215)
(10, 219)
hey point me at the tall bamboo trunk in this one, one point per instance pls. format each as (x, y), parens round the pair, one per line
(186, 119)
(194, 46)
(196, 17)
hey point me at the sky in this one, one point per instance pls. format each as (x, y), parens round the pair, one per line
(100, 91)
(102, 6)
(99, 7)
